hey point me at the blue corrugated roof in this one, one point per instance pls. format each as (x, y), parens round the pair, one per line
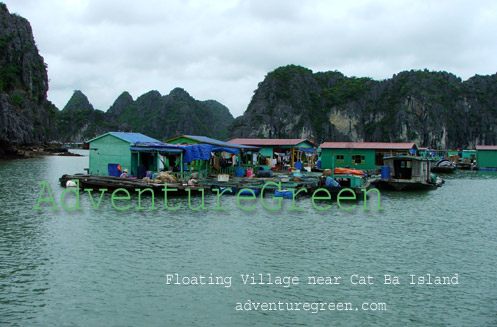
(208, 140)
(131, 138)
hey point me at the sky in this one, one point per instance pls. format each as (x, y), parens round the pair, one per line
(221, 50)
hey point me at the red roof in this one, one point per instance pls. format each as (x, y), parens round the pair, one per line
(367, 145)
(268, 142)
(486, 147)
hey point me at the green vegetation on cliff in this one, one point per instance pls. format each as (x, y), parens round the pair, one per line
(157, 116)
(434, 109)
(27, 115)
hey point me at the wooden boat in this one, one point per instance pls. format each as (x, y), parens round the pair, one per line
(466, 166)
(408, 173)
(354, 181)
(443, 166)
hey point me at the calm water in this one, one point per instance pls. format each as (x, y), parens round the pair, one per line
(108, 268)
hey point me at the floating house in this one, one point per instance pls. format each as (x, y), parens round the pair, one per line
(299, 149)
(487, 156)
(229, 155)
(126, 151)
(432, 154)
(361, 155)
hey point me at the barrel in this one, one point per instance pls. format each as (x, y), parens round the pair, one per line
(239, 172)
(385, 172)
(250, 172)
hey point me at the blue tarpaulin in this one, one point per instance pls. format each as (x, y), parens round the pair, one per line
(191, 152)
(309, 150)
(114, 169)
(203, 151)
(156, 149)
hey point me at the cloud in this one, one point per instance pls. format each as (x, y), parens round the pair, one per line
(222, 49)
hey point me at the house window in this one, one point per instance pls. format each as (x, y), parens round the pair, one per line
(340, 158)
(359, 159)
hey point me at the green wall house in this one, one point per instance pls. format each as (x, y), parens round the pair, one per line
(116, 148)
(432, 154)
(360, 155)
(268, 147)
(469, 155)
(486, 156)
(237, 150)
(463, 154)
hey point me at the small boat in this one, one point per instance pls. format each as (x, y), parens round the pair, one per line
(343, 178)
(466, 166)
(443, 166)
(408, 173)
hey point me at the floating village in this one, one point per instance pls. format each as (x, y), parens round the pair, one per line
(279, 167)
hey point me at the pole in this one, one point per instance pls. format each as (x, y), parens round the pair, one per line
(332, 165)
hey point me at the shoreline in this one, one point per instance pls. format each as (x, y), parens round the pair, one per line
(27, 151)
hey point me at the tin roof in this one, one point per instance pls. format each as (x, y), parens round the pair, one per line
(367, 145)
(486, 147)
(269, 142)
(131, 138)
(208, 140)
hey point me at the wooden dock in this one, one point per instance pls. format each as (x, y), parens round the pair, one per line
(237, 184)
(129, 184)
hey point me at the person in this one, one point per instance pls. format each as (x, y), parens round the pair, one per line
(124, 174)
(192, 181)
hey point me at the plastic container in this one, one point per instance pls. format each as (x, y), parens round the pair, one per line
(298, 165)
(223, 177)
(385, 172)
(239, 172)
(287, 194)
(249, 192)
(250, 172)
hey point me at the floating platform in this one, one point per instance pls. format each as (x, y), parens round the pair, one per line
(235, 184)
(129, 184)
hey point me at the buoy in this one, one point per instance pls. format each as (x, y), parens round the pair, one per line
(71, 183)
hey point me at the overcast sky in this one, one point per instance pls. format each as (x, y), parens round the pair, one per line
(221, 50)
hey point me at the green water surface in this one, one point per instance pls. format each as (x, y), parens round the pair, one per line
(109, 268)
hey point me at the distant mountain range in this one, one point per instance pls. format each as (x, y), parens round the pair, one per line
(153, 114)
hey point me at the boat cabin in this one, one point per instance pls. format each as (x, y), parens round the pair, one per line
(408, 167)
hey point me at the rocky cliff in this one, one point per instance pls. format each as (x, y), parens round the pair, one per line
(78, 120)
(153, 114)
(27, 117)
(434, 109)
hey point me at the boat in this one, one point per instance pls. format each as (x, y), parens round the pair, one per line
(443, 166)
(466, 166)
(405, 173)
(352, 180)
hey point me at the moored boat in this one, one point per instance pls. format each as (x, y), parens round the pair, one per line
(352, 180)
(408, 173)
(443, 166)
